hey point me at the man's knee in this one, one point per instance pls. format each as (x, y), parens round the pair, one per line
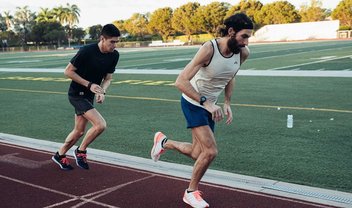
(100, 127)
(211, 153)
(195, 155)
(78, 133)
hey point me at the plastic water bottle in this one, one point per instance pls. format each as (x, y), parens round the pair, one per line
(289, 121)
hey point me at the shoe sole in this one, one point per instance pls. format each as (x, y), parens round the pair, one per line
(185, 201)
(156, 136)
(53, 159)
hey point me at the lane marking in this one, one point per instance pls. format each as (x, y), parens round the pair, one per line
(73, 197)
(109, 190)
(39, 187)
(23, 162)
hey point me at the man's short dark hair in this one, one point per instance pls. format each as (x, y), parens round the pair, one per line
(110, 30)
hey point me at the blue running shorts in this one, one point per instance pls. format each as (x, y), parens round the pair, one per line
(196, 116)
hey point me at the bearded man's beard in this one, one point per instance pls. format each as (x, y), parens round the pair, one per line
(233, 45)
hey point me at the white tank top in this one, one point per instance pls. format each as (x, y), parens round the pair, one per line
(211, 80)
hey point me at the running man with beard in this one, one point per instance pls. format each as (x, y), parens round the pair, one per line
(211, 71)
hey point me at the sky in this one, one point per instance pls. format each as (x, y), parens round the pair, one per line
(93, 12)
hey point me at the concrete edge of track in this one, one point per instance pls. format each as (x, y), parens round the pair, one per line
(273, 187)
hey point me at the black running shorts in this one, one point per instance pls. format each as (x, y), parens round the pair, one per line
(81, 104)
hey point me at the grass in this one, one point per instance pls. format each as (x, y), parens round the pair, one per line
(325, 55)
(315, 152)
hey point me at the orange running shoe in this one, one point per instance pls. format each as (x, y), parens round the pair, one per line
(195, 199)
(62, 161)
(158, 149)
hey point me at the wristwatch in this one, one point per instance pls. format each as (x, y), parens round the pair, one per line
(202, 100)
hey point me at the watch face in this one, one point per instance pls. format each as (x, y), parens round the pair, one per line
(202, 99)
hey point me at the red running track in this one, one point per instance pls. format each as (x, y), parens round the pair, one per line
(29, 178)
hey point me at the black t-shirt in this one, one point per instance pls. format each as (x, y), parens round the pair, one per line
(92, 65)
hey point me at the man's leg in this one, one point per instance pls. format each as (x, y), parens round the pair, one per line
(75, 134)
(191, 150)
(208, 151)
(203, 150)
(71, 139)
(98, 126)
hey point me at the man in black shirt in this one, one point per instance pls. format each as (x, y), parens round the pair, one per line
(91, 72)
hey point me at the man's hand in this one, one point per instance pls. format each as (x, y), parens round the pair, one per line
(96, 89)
(215, 110)
(100, 98)
(228, 113)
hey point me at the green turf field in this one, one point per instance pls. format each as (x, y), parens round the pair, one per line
(319, 55)
(317, 151)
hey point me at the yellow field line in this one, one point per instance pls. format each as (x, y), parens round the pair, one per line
(32, 91)
(170, 100)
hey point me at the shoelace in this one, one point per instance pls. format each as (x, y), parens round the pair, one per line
(198, 195)
(82, 156)
(65, 161)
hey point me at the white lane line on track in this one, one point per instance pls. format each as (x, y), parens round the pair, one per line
(38, 187)
(108, 191)
(73, 197)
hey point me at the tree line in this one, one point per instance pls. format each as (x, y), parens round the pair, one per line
(58, 25)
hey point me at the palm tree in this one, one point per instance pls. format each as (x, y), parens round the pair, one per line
(45, 15)
(23, 22)
(8, 20)
(72, 14)
(60, 14)
(71, 18)
(67, 16)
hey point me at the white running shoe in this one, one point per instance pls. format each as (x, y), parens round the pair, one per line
(195, 199)
(157, 149)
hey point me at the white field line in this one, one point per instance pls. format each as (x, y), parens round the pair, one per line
(290, 54)
(313, 62)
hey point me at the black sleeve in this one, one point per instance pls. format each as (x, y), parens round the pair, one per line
(116, 60)
(78, 59)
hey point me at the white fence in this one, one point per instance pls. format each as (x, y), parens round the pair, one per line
(159, 43)
(298, 31)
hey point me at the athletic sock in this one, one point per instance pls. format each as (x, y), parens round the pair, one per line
(81, 151)
(188, 191)
(163, 142)
(60, 156)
